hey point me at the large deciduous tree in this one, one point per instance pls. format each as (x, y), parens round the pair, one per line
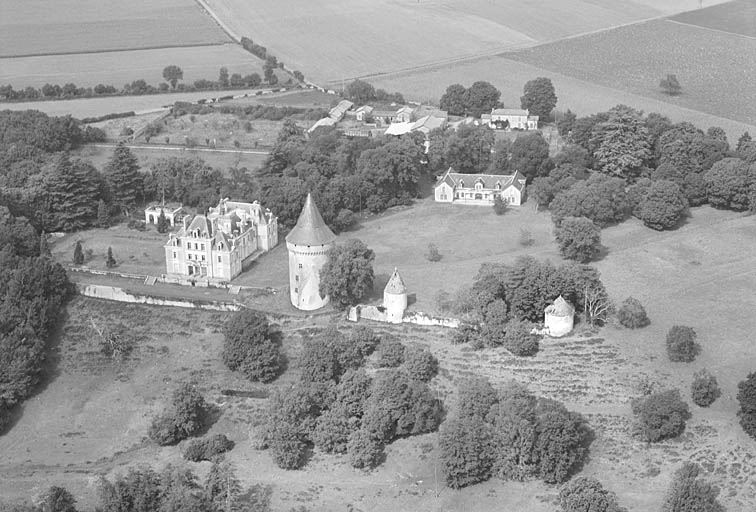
(579, 239)
(601, 198)
(453, 100)
(392, 172)
(622, 143)
(529, 154)
(466, 150)
(728, 183)
(347, 276)
(480, 98)
(172, 74)
(252, 347)
(539, 98)
(662, 206)
(359, 92)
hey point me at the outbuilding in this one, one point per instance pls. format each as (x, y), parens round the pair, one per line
(559, 318)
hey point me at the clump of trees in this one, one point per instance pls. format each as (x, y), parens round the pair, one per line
(681, 344)
(659, 416)
(632, 314)
(688, 491)
(361, 92)
(478, 99)
(747, 401)
(252, 346)
(578, 238)
(512, 434)
(347, 275)
(600, 198)
(390, 353)
(704, 389)
(186, 417)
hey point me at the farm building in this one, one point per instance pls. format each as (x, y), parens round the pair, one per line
(480, 189)
(215, 247)
(363, 112)
(510, 118)
(326, 121)
(559, 318)
(404, 114)
(171, 211)
(308, 244)
(337, 113)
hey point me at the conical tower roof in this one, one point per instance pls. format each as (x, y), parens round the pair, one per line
(560, 308)
(310, 228)
(395, 285)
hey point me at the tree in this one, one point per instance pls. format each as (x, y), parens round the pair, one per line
(222, 488)
(622, 145)
(564, 176)
(347, 276)
(600, 198)
(465, 455)
(499, 205)
(659, 416)
(529, 154)
(453, 100)
(186, 417)
(420, 364)
(728, 183)
(359, 92)
(632, 314)
(670, 85)
(743, 141)
(172, 74)
(320, 359)
(122, 171)
(252, 346)
(481, 98)
(662, 206)
(688, 492)
(747, 399)
(519, 340)
(539, 98)
(586, 494)
(390, 173)
(110, 261)
(390, 353)
(162, 223)
(223, 77)
(103, 217)
(467, 149)
(566, 123)
(78, 255)
(57, 499)
(578, 238)
(562, 441)
(333, 429)
(704, 389)
(73, 189)
(681, 344)
(365, 451)
(433, 254)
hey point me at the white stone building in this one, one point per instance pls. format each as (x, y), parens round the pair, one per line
(395, 298)
(308, 244)
(559, 318)
(172, 212)
(512, 118)
(480, 189)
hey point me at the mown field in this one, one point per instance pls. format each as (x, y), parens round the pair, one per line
(713, 68)
(41, 27)
(334, 40)
(736, 17)
(122, 67)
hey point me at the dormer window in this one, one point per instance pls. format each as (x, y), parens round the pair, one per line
(462, 183)
(498, 185)
(479, 186)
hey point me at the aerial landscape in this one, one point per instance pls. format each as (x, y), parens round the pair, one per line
(410, 255)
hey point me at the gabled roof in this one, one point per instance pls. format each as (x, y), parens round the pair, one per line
(221, 238)
(310, 228)
(405, 108)
(200, 222)
(453, 179)
(509, 112)
(560, 307)
(399, 128)
(395, 284)
(428, 122)
(364, 108)
(326, 121)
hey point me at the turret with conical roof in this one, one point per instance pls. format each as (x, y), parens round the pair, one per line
(308, 244)
(395, 298)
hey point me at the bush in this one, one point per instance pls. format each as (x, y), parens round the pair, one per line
(499, 205)
(55, 499)
(632, 314)
(687, 492)
(579, 239)
(332, 431)
(420, 365)
(747, 400)
(659, 416)
(390, 353)
(466, 454)
(365, 451)
(320, 361)
(586, 494)
(681, 344)
(352, 392)
(252, 347)
(136, 224)
(704, 389)
(465, 333)
(287, 446)
(208, 448)
(433, 254)
(519, 340)
(185, 418)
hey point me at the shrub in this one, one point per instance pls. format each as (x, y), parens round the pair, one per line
(208, 448)
(55, 499)
(466, 454)
(704, 389)
(632, 314)
(390, 353)
(185, 418)
(78, 256)
(332, 431)
(499, 205)
(562, 441)
(433, 254)
(420, 365)
(578, 238)
(352, 392)
(747, 400)
(519, 340)
(586, 494)
(365, 451)
(136, 224)
(110, 261)
(681, 344)
(659, 416)
(687, 492)
(526, 238)
(252, 347)
(287, 446)
(320, 361)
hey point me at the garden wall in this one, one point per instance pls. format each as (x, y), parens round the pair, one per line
(118, 294)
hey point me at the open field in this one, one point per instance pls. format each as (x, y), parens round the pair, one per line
(122, 67)
(713, 67)
(736, 17)
(35, 27)
(335, 40)
(581, 96)
(91, 418)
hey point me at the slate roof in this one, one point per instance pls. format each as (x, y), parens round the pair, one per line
(395, 284)
(310, 228)
(453, 179)
(205, 226)
(560, 307)
(509, 112)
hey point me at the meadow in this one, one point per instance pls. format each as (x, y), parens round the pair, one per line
(332, 41)
(34, 27)
(122, 67)
(713, 68)
(735, 17)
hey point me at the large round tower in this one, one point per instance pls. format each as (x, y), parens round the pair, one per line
(308, 244)
(395, 298)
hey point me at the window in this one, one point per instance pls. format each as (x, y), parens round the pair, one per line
(296, 278)
(296, 290)
(300, 265)
(196, 246)
(174, 255)
(203, 257)
(202, 247)
(189, 256)
(220, 260)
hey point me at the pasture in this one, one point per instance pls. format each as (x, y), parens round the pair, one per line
(35, 27)
(735, 17)
(714, 68)
(122, 67)
(335, 40)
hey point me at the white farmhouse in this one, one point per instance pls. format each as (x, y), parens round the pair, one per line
(511, 118)
(480, 189)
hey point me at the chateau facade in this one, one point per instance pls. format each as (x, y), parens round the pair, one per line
(308, 244)
(215, 246)
(480, 189)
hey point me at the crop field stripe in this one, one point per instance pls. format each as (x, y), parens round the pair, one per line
(230, 33)
(716, 30)
(115, 50)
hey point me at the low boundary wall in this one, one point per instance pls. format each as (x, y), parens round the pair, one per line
(114, 293)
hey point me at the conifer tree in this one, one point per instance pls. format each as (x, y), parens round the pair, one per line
(103, 218)
(78, 257)
(44, 249)
(122, 171)
(162, 223)
(110, 262)
(73, 190)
